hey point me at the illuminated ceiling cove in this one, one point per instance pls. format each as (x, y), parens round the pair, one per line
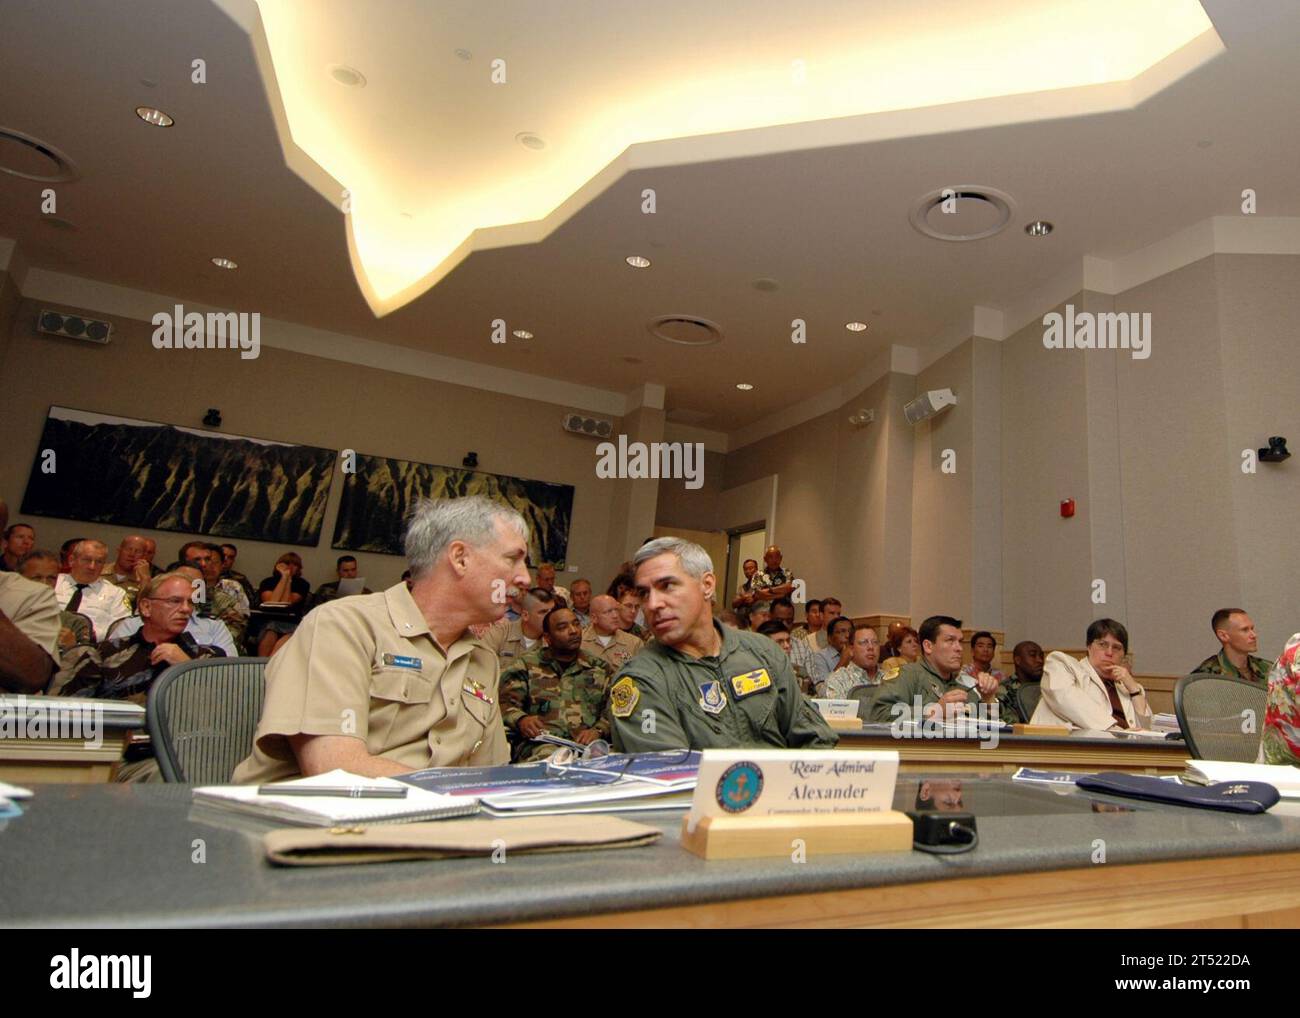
(443, 128)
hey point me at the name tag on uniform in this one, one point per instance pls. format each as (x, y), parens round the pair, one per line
(398, 661)
(750, 682)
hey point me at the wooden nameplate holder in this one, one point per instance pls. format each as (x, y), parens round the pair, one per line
(830, 834)
(844, 724)
(1040, 729)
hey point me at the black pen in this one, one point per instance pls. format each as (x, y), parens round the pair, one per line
(343, 792)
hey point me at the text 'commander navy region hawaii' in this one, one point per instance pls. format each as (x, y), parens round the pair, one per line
(700, 684)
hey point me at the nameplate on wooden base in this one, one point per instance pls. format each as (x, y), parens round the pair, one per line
(845, 724)
(789, 794)
(1041, 729)
(797, 836)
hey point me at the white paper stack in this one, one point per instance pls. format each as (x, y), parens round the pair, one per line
(1283, 777)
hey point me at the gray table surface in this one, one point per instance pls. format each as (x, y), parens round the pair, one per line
(120, 855)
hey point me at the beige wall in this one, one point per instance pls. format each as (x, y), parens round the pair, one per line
(1046, 560)
(293, 398)
(693, 509)
(1258, 323)
(942, 530)
(804, 458)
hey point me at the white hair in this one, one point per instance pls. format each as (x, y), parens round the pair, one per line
(694, 559)
(433, 524)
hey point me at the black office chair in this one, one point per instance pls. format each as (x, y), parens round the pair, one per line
(1027, 697)
(202, 716)
(1221, 717)
(866, 697)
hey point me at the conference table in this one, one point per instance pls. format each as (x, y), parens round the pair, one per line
(1078, 751)
(1046, 857)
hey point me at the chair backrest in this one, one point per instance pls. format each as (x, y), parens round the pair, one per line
(1027, 697)
(202, 716)
(866, 697)
(1221, 717)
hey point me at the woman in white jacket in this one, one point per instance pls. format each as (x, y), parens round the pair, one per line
(1095, 692)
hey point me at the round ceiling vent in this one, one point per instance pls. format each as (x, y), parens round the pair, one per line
(685, 330)
(24, 156)
(962, 212)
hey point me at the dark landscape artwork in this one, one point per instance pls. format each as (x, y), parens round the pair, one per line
(107, 469)
(378, 496)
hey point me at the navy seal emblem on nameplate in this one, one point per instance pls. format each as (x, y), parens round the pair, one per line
(739, 786)
(712, 698)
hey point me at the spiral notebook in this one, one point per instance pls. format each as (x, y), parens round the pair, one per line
(327, 812)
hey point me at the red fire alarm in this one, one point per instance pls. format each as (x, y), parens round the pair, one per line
(1067, 508)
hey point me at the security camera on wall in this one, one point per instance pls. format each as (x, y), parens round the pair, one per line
(928, 404)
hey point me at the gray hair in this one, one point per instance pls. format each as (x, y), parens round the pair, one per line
(694, 559)
(433, 524)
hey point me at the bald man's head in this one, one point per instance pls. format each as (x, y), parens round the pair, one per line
(604, 615)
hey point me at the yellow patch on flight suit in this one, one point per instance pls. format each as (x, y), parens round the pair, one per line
(750, 682)
(623, 697)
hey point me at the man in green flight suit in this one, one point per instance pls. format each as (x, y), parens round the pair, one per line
(1235, 630)
(932, 681)
(555, 688)
(699, 684)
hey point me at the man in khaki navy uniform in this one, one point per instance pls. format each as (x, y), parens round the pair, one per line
(385, 683)
(605, 638)
(700, 684)
(933, 679)
(511, 640)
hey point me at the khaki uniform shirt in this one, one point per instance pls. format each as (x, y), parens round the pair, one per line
(33, 609)
(745, 696)
(622, 648)
(506, 641)
(916, 681)
(368, 667)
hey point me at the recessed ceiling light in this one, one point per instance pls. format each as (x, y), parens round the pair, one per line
(637, 262)
(522, 334)
(464, 54)
(346, 75)
(1039, 228)
(225, 263)
(856, 326)
(152, 116)
(743, 386)
(529, 140)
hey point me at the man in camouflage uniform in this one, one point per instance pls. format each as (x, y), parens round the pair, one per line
(1235, 630)
(224, 601)
(555, 688)
(1027, 656)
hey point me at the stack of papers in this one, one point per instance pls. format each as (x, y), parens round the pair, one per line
(614, 783)
(1165, 723)
(1283, 777)
(327, 811)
